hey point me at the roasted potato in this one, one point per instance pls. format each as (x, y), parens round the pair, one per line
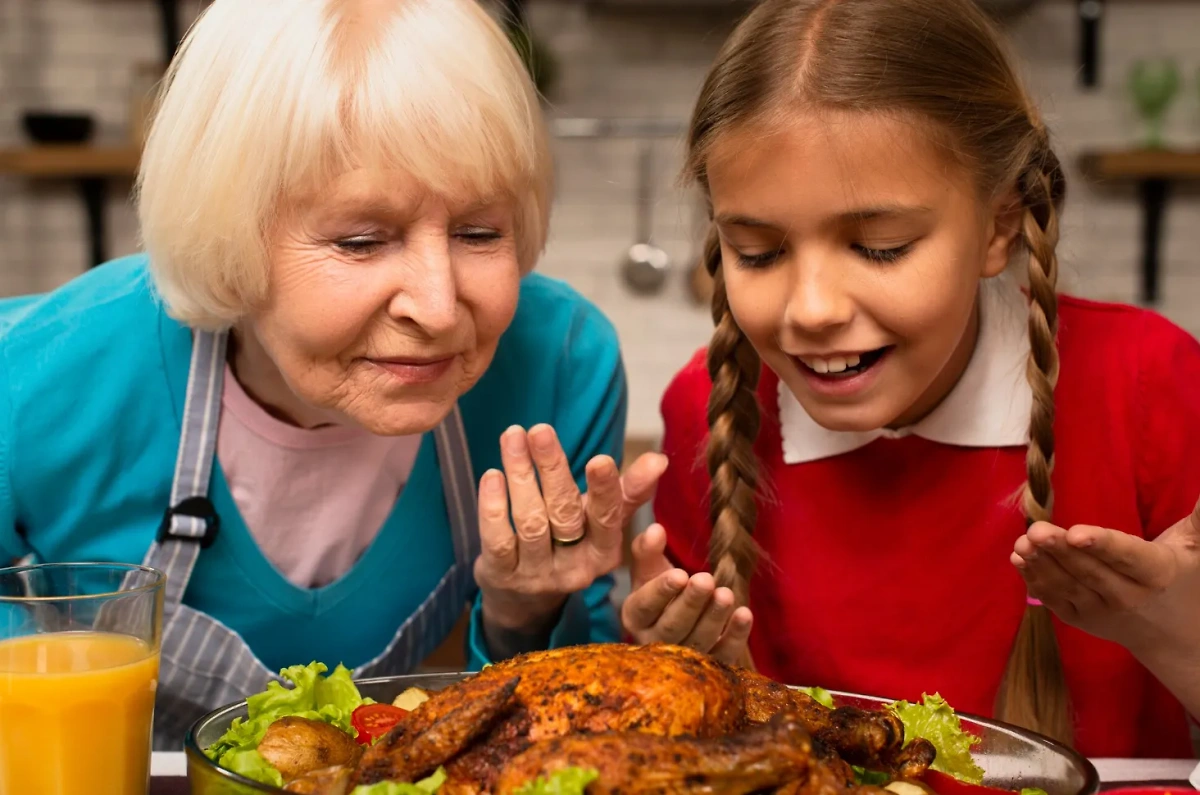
(296, 746)
(411, 699)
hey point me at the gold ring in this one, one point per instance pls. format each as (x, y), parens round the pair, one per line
(568, 542)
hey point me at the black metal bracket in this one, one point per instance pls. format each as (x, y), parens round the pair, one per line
(1091, 14)
(1154, 202)
(169, 13)
(93, 190)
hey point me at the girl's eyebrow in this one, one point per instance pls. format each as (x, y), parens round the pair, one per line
(858, 214)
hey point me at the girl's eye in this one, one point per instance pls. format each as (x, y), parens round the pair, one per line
(763, 260)
(477, 235)
(358, 245)
(882, 255)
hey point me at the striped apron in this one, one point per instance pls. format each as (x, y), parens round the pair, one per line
(205, 664)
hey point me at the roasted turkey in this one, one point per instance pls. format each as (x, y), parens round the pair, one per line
(628, 709)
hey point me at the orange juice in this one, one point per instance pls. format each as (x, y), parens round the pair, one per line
(75, 714)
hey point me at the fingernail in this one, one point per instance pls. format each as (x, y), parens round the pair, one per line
(1032, 556)
(492, 482)
(514, 441)
(542, 438)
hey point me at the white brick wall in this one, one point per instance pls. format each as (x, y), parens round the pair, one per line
(81, 53)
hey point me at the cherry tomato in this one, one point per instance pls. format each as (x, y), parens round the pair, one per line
(375, 720)
(948, 785)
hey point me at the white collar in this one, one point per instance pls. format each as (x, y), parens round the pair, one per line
(988, 407)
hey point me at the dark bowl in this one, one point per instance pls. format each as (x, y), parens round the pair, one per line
(1011, 758)
(58, 128)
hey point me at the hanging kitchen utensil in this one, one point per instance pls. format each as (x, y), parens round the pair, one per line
(646, 265)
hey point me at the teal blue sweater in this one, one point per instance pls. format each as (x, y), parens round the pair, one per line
(92, 380)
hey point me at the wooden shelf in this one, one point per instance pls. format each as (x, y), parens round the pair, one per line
(1154, 171)
(1139, 164)
(70, 162)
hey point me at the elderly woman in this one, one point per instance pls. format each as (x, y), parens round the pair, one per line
(286, 403)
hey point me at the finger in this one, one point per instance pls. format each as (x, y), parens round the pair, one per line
(649, 555)
(1048, 581)
(560, 494)
(731, 648)
(497, 540)
(528, 509)
(604, 510)
(639, 480)
(1114, 589)
(645, 605)
(1140, 561)
(679, 618)
(708, 629)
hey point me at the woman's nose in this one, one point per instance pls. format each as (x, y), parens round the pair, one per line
(428, 294)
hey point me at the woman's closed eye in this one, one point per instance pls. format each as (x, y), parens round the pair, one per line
(359, 244)
(478, 235)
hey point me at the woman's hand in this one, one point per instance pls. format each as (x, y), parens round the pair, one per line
(669, 607)
(563, 540)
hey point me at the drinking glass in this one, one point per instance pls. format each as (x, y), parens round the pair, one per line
(79, 652)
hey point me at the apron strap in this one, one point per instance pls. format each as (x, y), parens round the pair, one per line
(191, 523)
(458, 484)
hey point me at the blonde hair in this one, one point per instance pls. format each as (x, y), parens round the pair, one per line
(269, 99)
(942, 62)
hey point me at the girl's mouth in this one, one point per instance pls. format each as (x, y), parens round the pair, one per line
(842, 376)
(841, 367)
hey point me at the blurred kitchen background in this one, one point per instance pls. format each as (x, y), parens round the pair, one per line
(620, 78)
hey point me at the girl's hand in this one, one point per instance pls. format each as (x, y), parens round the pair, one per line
(563, 540)
(669, 607)
(1142, 594)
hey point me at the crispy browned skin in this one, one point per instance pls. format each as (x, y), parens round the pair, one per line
(660, 690)
(873, 738)
(634, 762)
(405, 755)
(296, 746)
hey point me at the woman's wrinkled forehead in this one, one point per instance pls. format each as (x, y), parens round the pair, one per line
(386, 196)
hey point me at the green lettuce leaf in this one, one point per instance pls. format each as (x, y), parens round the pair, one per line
(934, 720)
(250, 764)
(568, 781)
(1033, 791)
(865, 777)
(331, 699)
(426, 786)
(819, 695)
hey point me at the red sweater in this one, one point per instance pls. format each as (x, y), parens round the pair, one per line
(886, 570)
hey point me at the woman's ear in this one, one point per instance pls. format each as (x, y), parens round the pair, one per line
(1004, 227)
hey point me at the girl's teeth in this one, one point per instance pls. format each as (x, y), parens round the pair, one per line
(834, 364)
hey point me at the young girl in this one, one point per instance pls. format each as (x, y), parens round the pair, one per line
(895, 431)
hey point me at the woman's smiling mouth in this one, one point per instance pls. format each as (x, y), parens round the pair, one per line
(414, 370)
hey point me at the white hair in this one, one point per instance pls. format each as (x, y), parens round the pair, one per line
(268, 99)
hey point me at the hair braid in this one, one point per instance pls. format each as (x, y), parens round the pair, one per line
(1034, 690)
(733, 419)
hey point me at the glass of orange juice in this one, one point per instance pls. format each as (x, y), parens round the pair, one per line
(79, 646)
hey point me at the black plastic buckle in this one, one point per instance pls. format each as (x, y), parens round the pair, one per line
(197, 508)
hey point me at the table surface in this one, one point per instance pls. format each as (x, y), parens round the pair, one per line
(169, 772)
